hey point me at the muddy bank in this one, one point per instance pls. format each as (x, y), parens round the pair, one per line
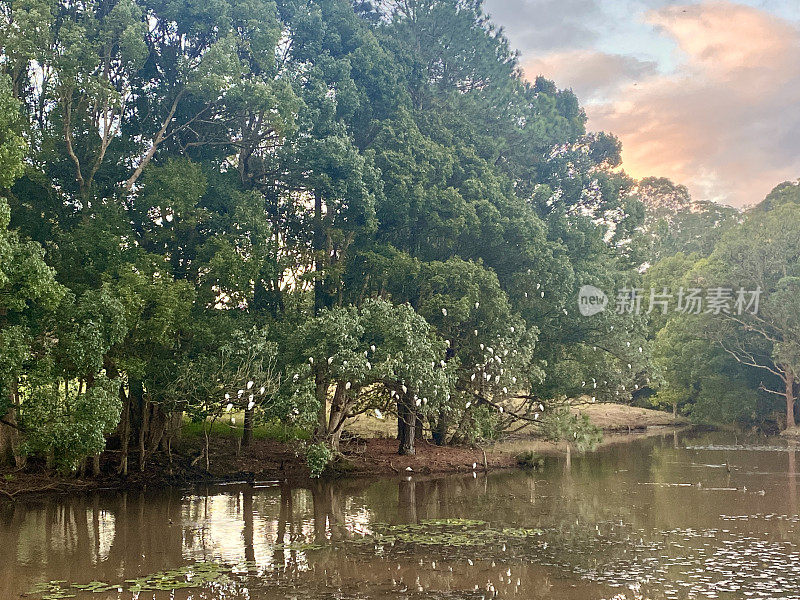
(265, 460)
(269, 460)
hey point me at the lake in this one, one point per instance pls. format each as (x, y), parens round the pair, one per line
(685, 515)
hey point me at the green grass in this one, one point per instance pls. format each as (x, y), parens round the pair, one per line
(269, 431)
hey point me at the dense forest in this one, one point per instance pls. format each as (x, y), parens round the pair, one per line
(302, 211)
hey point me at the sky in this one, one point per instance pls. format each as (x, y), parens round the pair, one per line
(706, 93)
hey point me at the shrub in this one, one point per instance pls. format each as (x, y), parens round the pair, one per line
(530, 460)
(318, 457)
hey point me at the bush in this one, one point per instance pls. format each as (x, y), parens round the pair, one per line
(318, 457)
(530, 460)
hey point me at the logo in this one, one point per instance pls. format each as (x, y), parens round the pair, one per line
(591, 301)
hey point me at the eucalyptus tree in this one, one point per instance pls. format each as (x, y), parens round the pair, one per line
(755, 268)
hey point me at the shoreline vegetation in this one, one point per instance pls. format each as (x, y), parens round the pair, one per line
(270, 459)
(231, 234)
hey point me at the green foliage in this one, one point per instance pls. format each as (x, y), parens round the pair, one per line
(318, 457)
(305, 210)
(70, 424)
(563, 425)
(12, 144)
(530, 460)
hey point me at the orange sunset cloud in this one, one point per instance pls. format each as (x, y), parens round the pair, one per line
(724, 121)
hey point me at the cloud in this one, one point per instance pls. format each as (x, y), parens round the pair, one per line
(724, 121)
(547, 24)
(593, 76)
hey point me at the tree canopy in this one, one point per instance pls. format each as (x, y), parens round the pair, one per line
(346, 207)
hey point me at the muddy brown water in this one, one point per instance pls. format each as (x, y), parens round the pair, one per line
(691, 515)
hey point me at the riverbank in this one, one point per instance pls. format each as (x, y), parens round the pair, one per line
(362, 456)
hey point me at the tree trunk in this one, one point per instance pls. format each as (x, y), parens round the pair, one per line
(337, 417)
(321, 394)
(247, 433)
(9, 434)
(406, 424)
(419, 429)
(125, 433)
(789, 383)
(143, 427)
(440, 432)
(320, 300)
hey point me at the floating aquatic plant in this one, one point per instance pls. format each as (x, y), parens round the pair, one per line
(190, 576)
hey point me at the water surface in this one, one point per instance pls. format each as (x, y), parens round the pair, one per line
(675, 516)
